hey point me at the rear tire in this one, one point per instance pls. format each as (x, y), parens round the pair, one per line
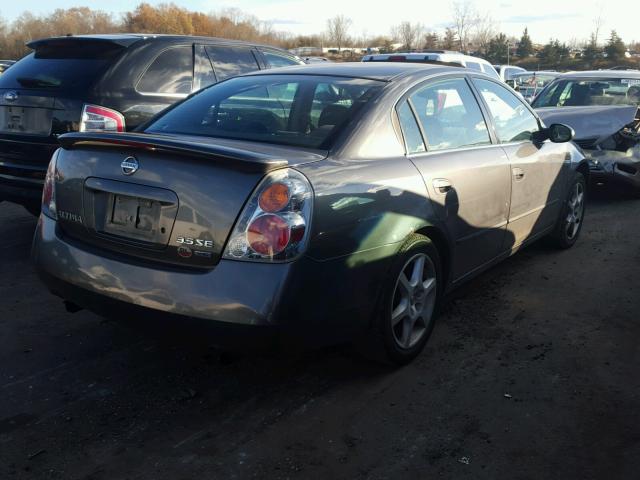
(409, 304)
(569, 223)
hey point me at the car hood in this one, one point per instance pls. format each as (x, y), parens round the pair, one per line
(592, 122)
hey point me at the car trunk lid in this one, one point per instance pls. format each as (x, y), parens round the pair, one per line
(160, 198)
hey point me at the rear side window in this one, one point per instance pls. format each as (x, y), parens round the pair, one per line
(170, 73)
(276, 59)
(410, 130)
(450, 115)
(513, 120)
(297, 110)
(474, 66)
(62, 65)
(231, 61)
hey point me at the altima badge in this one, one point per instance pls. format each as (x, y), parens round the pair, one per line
(129, 165)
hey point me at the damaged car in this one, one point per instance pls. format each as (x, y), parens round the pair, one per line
(603, 109)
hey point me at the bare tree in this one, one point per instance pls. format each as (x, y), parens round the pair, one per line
(484, 30)
(410, 34)
(465, 18)
(338, 30)
(598, 22)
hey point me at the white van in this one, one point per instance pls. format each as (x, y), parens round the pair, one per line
(440, 56)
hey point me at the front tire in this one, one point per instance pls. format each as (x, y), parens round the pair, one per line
(569, 224)
(409, 304)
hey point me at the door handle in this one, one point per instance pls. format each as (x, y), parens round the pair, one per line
(442, 185)
(518, 173)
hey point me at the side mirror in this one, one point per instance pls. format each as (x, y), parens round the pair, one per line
(511, 83)
(560, 133)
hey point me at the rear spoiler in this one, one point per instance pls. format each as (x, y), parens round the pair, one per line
(245, 159)
(119, 40)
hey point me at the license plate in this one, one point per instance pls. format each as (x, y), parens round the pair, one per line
(14, 119)
(135, 215)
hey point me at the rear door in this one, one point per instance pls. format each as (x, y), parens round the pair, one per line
(538, 170)
(467, 176)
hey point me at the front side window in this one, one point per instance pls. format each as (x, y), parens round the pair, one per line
(513, 120)
(229, 61)
(275, 59)
(170, 73)
(450, 115)
(296, 110)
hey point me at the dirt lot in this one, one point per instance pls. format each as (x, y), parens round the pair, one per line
(532, 373)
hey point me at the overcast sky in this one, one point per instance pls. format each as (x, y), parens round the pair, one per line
(562, 19)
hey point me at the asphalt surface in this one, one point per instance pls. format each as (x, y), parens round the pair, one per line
(532, 373)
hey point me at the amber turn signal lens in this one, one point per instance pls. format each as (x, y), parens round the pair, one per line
(274, 198)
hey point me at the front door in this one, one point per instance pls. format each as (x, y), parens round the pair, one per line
(537, 168)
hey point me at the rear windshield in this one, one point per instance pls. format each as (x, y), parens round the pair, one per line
(584, 92)
(297, 110)
(61, 65)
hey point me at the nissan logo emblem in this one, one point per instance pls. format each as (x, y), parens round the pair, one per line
(11, 96)
(129, 165)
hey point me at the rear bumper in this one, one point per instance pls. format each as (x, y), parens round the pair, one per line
(318, 302)
(233, 292)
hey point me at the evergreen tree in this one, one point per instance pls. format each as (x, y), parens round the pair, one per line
(497, 49)
(615, 48)
(525, 46)
(449, 40)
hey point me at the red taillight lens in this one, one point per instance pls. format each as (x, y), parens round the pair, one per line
(49, 190)
(101, 119)
(268, 234)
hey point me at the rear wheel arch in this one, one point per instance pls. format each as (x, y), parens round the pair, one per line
(441, 243)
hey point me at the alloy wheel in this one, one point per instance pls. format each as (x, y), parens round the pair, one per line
(414, 300)
(576, 211)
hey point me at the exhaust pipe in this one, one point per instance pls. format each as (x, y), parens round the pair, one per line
(71, 307)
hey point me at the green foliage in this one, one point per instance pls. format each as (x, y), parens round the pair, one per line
(553, 54)
(449, 42)
(615, 48)
(497, 49)
(525, 46)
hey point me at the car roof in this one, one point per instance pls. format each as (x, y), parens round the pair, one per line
(127, 39)
(383, 71)
(537, 72)
(603, 74)
(427, 53)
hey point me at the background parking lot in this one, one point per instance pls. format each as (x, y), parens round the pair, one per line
(532, 373)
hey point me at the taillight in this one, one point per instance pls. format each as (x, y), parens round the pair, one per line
(49, 190)
(274, 224)
(101, 119)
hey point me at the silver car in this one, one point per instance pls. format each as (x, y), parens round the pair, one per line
(324, 202)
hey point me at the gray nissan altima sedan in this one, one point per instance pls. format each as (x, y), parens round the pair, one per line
(329, 202)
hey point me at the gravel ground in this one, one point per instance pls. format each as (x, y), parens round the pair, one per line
(531, 373)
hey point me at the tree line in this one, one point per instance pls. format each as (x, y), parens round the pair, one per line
(470, 31)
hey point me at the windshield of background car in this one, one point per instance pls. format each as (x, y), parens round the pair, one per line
(61, 65)
(296, 110)
(584, 92)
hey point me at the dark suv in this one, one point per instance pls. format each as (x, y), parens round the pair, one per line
(109, 83)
